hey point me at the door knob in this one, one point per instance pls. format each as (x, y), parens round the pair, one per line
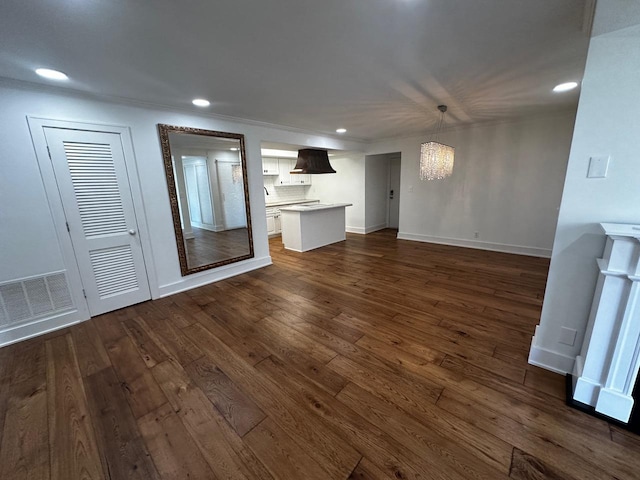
(132, 232)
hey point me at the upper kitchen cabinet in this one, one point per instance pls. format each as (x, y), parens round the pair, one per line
(285, 165)
(270, 166)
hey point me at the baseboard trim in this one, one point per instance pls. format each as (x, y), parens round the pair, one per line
(495, 247)
(365, 230)
(375, 228)
(220, 273)
(44, 325)
(553, 361)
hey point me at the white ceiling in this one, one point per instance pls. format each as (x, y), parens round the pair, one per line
(375, 67)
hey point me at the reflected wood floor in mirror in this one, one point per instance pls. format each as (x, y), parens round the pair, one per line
(209, 247)
(373, 358)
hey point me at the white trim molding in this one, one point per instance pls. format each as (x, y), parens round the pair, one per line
(222, 273)
(550, 360)
(25, 331)
(366, 230)
(460, 242)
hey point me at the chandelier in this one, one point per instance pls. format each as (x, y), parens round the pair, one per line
(436, 159)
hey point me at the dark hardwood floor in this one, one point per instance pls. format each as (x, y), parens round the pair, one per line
(208, 247)
(369, 359)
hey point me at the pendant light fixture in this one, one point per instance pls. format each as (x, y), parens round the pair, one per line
(313, 161)
(436, 159)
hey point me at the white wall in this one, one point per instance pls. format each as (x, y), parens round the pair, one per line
(607, 123)
(345, 186)
(506, 185)
(28, 244)
(376, 191)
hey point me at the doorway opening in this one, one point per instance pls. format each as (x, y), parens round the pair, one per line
(382, 191)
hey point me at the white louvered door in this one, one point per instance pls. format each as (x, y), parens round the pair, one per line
(92, 179)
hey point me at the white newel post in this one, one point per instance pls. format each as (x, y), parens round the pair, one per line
(606, 369)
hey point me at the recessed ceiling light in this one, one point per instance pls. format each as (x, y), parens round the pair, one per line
(51, 74)
(234, 149)
(341, 130)
(201, 102)
(564, 87)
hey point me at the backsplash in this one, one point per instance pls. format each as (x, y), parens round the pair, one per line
(283, 194)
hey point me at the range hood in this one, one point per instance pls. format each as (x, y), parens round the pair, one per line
(312, 161)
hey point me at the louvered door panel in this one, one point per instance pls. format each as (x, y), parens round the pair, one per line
(114, 270)
(94, 186)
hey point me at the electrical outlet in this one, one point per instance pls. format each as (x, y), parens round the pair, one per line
(567, 336)
(476, 234)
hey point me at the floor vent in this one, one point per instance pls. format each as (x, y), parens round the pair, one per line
(34, 297)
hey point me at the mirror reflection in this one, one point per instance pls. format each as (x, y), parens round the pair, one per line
(206, 173)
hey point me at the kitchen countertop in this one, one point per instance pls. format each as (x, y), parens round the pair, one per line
(289, 202)
(315, 207)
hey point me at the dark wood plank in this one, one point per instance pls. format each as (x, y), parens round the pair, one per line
(139, 332)
(516, 434)
(282, 456)
(142, 392)
(249, 349)
(215, 440)
(387, 454)
(325, 446)
(92, 356)
(122, 449)
(109, 327)
(625, 438)
(422, 439)
(24, 448)
(172, 449)
(366, 470)
(545, 381)
(413, 394)
(400, 351)
(449, 433)
(72, 443)
(172, 340)
(26, 361)
(5, 382)
(528, 467)
(237, 408)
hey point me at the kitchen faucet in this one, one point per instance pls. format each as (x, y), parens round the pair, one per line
(265, 190)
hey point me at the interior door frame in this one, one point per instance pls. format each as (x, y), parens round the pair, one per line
(36, 127)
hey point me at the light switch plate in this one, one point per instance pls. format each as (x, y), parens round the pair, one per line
(598, 167)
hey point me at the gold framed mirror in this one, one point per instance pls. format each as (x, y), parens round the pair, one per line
(206, 175)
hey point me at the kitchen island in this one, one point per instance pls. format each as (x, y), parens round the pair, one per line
(305, 227)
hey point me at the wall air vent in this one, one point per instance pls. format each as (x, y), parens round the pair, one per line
(33, 297)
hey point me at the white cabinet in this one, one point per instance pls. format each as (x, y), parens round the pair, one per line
(302, 179)
(285, 165)
(270, 166)
(277, 223)
(271, 225)
(273, 221)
